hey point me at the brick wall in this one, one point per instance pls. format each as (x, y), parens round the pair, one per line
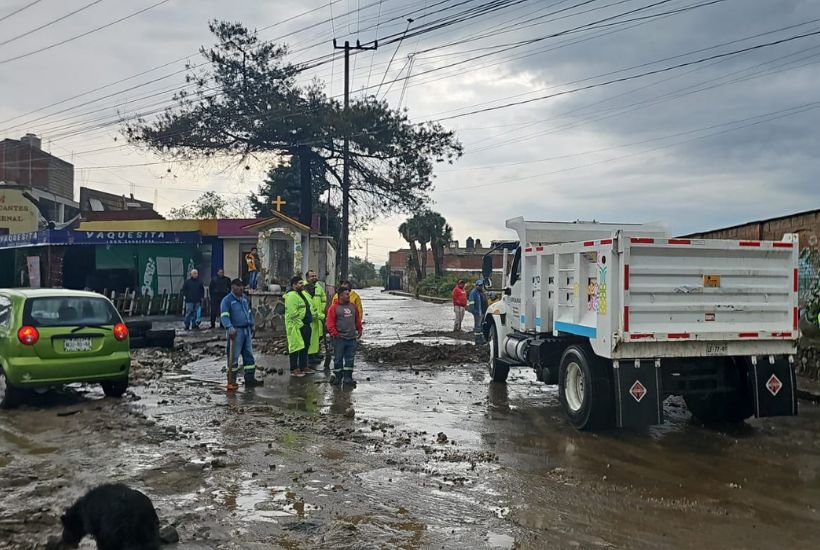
(459, 259)
(805, 224)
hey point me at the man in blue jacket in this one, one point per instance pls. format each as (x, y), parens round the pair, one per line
(237, 319)
(477, 305)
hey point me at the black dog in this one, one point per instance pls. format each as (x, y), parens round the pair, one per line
(119, 518)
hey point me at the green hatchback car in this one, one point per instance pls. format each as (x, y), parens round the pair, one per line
(52, 337)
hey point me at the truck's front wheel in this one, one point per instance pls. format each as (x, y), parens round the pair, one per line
(498, 371)
(585, 390)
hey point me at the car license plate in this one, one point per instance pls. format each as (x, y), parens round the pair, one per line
(77, 344)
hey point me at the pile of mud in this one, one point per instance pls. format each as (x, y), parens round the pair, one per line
(415, 354)
(150, 363)
(461, 335)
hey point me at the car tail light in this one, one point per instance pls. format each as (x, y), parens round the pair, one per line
(28, 335)
(120, 331)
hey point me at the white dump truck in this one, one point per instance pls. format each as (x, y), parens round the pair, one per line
(621, 316)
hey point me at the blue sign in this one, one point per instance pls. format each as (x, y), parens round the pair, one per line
(70, 237)
(131, 237)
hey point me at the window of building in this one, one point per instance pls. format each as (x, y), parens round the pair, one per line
(170, 275)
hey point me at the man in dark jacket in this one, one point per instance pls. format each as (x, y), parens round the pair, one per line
(193, 291)
(219, 287)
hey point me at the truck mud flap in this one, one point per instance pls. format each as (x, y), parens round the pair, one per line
(774, 387)
(638, 394)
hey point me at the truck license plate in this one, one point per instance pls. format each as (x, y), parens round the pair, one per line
(77, 344)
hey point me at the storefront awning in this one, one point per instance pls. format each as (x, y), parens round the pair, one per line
(62, 237)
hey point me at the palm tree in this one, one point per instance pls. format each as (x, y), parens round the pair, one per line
(408, 231)
(440, 233)
(424, 235)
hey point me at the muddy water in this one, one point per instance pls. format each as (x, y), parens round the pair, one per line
(412, 458)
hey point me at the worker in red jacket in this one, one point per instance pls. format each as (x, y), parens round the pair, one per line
(345, 326)
(459, 304)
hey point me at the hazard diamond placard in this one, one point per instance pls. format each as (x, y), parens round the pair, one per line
(638, 391)
(774, 385)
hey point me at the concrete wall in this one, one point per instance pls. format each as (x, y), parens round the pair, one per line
(233, 259)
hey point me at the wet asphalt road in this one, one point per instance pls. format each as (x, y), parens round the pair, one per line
(299, 464)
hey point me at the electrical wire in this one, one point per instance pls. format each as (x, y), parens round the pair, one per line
(20, 9)
(81, 35)
(29, 32)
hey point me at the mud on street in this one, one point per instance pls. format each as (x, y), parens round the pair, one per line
(425, 453)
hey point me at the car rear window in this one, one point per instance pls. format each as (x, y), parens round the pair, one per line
(65, 311)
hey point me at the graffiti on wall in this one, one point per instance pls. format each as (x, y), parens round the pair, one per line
(809, 272)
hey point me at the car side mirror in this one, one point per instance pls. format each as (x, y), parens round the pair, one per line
(507, 291)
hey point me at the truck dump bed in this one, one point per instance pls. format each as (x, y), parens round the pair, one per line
(649, 297)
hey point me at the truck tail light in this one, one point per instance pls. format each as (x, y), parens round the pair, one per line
(28, 335)
(120, 331)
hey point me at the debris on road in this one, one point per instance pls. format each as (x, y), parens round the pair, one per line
(411, 353)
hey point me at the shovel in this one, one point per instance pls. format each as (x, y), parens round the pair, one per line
(328, 354)
(231, 374)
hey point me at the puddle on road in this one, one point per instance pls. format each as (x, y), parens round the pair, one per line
(496, 540)
(27, 446)
(251, 502)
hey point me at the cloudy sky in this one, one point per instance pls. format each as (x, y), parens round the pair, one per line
(695, 113)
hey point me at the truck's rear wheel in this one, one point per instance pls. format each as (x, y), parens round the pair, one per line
(585, 389)
(498, 371)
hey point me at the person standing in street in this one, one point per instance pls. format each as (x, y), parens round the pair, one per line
(459, 304)
(252, 260)
(355, 299)
(299, 315)
(345, 326)
(318, 296)
(193, 291)
(237, 319)
(218, 288)
(477, 305)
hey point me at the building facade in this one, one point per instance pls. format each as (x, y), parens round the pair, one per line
(49, 179)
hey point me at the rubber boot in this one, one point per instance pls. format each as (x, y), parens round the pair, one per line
(251, 381)
(336, 378)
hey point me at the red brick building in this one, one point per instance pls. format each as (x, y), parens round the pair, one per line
(465, 261)
(806, 224)
(50, 179)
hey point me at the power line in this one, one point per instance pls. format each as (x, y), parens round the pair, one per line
(89, 92)
(52, 22)
(767, 117)
(147, 71)
(18, 10)
(120, 118)
(632, 77)
(78, 36)
(140, 114)
(323, 59)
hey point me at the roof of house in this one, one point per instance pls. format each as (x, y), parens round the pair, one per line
(275, 217)
(767, 220)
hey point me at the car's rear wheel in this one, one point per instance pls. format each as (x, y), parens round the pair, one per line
(10, 396)
(114, 388)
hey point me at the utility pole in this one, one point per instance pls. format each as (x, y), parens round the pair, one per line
(345, 236)
(367, 250)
